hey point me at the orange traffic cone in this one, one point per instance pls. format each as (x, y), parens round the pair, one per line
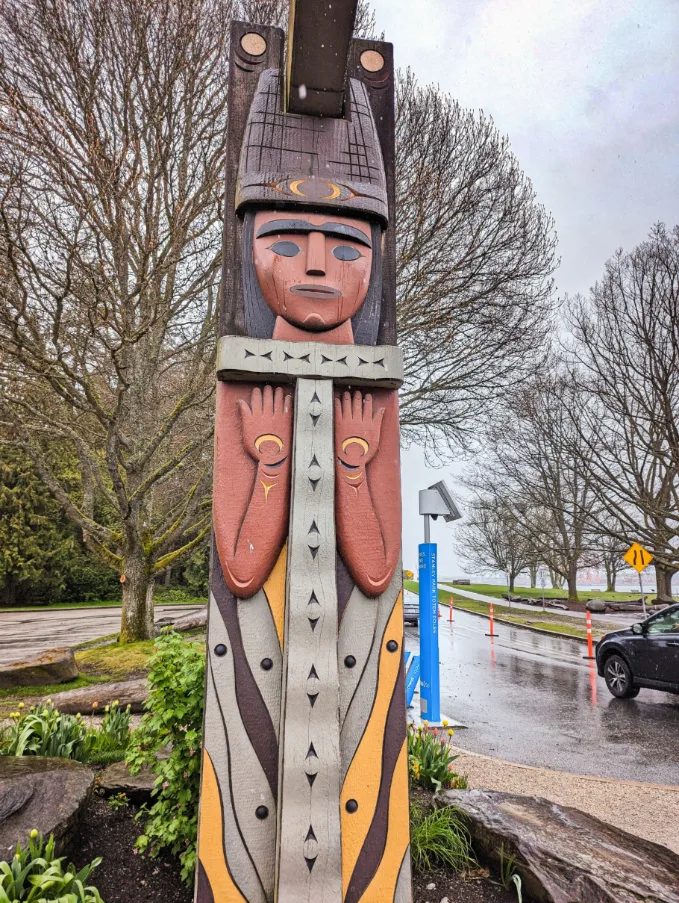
(492, 622)
(590, 650)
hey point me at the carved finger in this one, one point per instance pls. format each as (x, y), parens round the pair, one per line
(346, 406)
(358, 406)
(377, 423)
(287, 405)
(267, 400)
(368, 408)
(278, 400)
(245, 412)
(256, 400)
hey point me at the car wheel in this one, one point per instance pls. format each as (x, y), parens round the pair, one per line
(619, 678)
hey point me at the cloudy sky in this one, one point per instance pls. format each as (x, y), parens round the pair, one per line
(588, 93)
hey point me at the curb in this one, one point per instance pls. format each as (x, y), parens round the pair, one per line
(563, 636)
(576, 774)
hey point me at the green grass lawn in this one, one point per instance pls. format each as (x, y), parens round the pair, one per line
(548, 620)
(498, 592)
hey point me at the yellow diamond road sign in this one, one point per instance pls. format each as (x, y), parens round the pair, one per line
(638, 557)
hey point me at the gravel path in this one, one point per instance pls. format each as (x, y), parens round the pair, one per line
(647, 810)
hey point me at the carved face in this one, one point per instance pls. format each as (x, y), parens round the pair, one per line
(313, 268)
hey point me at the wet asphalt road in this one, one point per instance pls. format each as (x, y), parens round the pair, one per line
(533, 699)
(24, 633)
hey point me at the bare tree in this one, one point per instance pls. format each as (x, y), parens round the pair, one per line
(537, 460)
(475, 256)
(112, 123)
(491, 539)
(627, 347)
(112, 128)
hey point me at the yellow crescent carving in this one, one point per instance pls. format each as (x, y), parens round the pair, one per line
(358, 441)
(335, 192)
(294, 187)
(268, 437)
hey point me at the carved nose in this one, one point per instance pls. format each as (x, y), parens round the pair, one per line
(315, 254)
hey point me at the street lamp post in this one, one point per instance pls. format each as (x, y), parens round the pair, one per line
(434, 501)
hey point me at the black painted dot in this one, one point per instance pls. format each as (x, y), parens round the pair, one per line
(392, 645)
(266, 664)
(261, 812)
(220, 649)
(351, 806)
(350, 661)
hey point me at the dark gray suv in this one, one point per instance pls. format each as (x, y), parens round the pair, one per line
(643, 655)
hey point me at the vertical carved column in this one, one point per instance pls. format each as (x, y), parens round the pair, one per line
(309, 864)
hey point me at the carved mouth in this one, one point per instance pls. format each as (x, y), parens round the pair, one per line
(317, 292)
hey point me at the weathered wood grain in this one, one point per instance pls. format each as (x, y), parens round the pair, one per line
(356, 639)
(243, 785)
(318, 44)
(404, 889)
(244, 72)
(359, 707)
(308, 851)
(262, 651)
(239, 357)
(380, 88)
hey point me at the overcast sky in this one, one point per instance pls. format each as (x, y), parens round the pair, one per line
(588, 93)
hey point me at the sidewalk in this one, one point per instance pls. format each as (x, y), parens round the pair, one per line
(647, 810)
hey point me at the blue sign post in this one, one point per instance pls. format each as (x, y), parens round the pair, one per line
(430, 695)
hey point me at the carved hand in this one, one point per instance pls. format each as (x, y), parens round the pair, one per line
(357, 433)
(267, 426)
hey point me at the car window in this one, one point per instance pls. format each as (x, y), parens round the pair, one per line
(668, 623)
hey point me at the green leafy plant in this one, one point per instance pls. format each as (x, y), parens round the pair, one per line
(119, 801)
(109, 743)
(44, 731)
(173, 720)
(35, 875)
(440, 838)
(508, 874)
(430, 760)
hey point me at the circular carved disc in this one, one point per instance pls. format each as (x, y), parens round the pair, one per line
(254, 44)
(371, 60)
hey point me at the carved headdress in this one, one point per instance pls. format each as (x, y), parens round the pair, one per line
(311, 161)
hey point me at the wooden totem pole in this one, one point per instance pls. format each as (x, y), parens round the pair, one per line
(304, 794)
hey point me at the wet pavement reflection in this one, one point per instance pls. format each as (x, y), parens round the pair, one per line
(533, 699)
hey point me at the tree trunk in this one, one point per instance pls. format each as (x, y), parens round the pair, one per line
(533, 571)
(136, 622)
(555, 579)
(663, 576)
(512, 578)
(573, 582)
(9, 595)
(610, 577)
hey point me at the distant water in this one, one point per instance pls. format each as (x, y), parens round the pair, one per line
(623, 584)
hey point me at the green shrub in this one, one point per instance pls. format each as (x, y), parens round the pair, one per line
(35, 876)
(430, 761)
(440, 838)
(174, 720)
(44, 731)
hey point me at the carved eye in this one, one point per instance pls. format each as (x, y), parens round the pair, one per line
(344, 252)
(285, 248)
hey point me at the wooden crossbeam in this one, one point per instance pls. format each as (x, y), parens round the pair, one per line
(319, 32)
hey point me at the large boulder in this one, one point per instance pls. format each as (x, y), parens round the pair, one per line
(117, 779)
(56, 666)
(126, 692)
(40, 793)
(564, 855)
(596, 605)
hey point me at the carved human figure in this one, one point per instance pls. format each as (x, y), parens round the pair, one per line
(314, 273)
